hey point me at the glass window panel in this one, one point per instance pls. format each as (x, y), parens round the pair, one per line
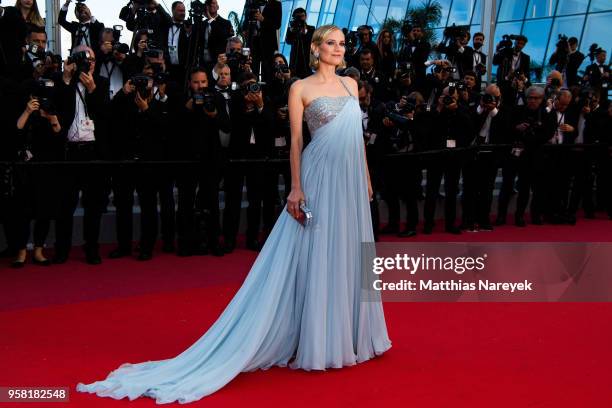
(511, 10)
(436, 38)
(287, 5)
(360, 13)
(461, 13)
(397, 9)
(314, 7)
(477, 14)
(572, 7)
(600, 5)
(537, 33)
(328, 9)
(445, 8)
(570, 26)
(596, 25)
(343, 14)
(540, 8)
(378, 10)
(299, 3)
(327, 18)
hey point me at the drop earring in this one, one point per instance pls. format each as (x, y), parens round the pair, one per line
(316, 55)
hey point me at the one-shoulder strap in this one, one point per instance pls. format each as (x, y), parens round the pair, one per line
(344, 85)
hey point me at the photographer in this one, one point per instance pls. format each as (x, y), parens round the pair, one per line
(567, 59)
(299, 36)
(364, 41)
(597, 75)
(469, 96)
(146, 15)
(436, 81)
(236, 57)
(175, 42)
(450, 128)
(491, 121)
(36, 194)
(457, 50)
(368, 72)
(402, 132)
(87, 30)
(201, 116)
(510, 60)
(82, 100)
(217, 31)
(554, 81)
(13, 31)
(36, 60)
(385, 45)
(532, 127)
(139, 120)
(479, 65)
(415, 51)
(252, 119)
(262, 20)
(111, 57)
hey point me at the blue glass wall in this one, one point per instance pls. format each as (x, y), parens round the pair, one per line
(540, 20)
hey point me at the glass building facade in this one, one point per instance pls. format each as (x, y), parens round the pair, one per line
(540, 20)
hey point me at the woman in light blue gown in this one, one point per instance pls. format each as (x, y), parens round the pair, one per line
(302, 304)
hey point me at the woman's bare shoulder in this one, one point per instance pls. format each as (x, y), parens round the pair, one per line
(351, 83)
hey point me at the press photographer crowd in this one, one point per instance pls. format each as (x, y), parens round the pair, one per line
(184, 103)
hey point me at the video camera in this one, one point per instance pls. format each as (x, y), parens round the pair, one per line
(237, 58)
(197, 9)
(505, 45)
(297, 24)
(594, 49)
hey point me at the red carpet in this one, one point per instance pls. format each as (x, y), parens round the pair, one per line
(74, 322)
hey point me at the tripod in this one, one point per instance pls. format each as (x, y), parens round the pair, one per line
(195, 48)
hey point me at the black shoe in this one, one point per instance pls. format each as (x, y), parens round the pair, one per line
(253, 245)
(60, 258)
(407, 233)
(93, 258)
(428, 229)
(18, 264)
(500, 221)
(168, 247)
(519, 221)
(229, 246)
(390, 229)
(468, 228)
(8, 253)
(119, 253)
(145, 255)
(451, 229)
(43, 262)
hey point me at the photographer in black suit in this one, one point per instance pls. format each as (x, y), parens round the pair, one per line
(82, 101)
(252, 118)
(491, 121)
(146, 15)
(450, 128)
(217, 31)
(597, 75)
(415, 51)
(299, 36)
(175, 42)
(87, 31)
(262, 20)
(567, 59)
(201, 116)
(511, 60)
(13, 32)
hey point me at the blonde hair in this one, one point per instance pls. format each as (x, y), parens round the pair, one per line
(34, 16)
(320, 35)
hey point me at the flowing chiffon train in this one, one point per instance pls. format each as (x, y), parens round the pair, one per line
(302, 304)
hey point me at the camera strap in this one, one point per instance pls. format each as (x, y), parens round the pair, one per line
(82, 100)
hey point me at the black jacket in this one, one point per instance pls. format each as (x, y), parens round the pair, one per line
(183, 41)
(220, 30)
(447, 125)
(504, 63)
(95, 30)
(241, 124)
(13, 32)
(299, 60)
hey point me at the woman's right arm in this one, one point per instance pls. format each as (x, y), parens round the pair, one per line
(296, 114)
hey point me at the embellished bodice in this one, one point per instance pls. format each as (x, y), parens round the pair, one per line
(324, 109)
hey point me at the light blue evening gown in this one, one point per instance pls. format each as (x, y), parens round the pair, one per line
(302, 304)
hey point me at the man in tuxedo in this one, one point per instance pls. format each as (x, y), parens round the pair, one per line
(365, 42)
(597, 75)
(13, 31)
(261, 24)
(567, 59)
(87, 31)
(152, 21)
(175, 42)
(217, 31)
(460, 54)
(511, 61)
(299, 36)
(416, 51)
(479, 63)
(368, 72)
(252, 118)
(82, 101)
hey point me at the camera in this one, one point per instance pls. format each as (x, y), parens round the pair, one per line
(43, 92)
(36, 51)
(204, 100)
(297, 24)
(121, 48)
(488, 98)
(405, 70)
(252, 87)
(197, 9)
(81, 59)
(456, 86)
(396, 113)
(281, 69)
(141, 83)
